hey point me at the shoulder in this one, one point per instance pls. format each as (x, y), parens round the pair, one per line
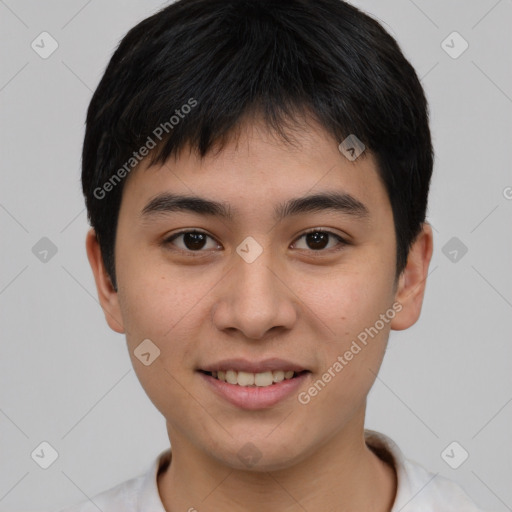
(423, 490)
(419, 490)
(121, 497)
(139, 494)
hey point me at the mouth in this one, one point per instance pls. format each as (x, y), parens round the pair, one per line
(252, 385)
(253, 380)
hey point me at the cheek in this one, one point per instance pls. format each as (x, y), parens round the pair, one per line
(155, 301)
(170, 310)
(347, 302)
(353, 347)
(154, 309)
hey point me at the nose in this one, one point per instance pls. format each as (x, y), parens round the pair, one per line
(254, 298)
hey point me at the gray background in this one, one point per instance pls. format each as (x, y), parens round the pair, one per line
(66, 379)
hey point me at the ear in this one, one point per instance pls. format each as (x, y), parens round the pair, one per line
(107, 295)
(412, 281)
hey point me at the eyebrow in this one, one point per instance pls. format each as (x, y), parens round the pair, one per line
(339, 202)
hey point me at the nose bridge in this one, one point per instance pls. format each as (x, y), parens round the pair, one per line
(253, 279)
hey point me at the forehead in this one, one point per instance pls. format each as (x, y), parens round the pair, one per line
(256, 170)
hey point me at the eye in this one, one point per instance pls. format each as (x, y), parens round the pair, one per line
(195, 241)
(318, 240)
(191, 241)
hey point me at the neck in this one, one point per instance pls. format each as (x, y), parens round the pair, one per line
(343, 474)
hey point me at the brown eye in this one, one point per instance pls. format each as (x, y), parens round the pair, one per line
(318, 240)
(193, 241)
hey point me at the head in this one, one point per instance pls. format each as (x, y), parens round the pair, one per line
(241, 106)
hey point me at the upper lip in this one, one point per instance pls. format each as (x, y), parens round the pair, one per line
(244, 365)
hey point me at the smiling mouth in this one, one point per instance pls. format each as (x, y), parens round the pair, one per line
(247, 379)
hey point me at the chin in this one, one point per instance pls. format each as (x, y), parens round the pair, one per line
(261, 454)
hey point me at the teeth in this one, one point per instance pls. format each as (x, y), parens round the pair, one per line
(279, 375)
(246, 379)
(263, 379)
(231, 377)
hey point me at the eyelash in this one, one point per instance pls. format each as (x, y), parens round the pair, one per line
(342, 242)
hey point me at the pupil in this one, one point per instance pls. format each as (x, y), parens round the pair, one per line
(194, 240)
(317, 240)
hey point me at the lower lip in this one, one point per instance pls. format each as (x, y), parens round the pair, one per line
(254, 397)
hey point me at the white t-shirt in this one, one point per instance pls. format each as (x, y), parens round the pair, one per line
(418, 490)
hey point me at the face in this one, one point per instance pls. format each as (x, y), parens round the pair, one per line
(270, 283)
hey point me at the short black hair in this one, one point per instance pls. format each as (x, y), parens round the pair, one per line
(192, 72)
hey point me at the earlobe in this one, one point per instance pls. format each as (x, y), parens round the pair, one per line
(412, 281)
(107, 295)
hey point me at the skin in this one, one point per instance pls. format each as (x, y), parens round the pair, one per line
(292, 302)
